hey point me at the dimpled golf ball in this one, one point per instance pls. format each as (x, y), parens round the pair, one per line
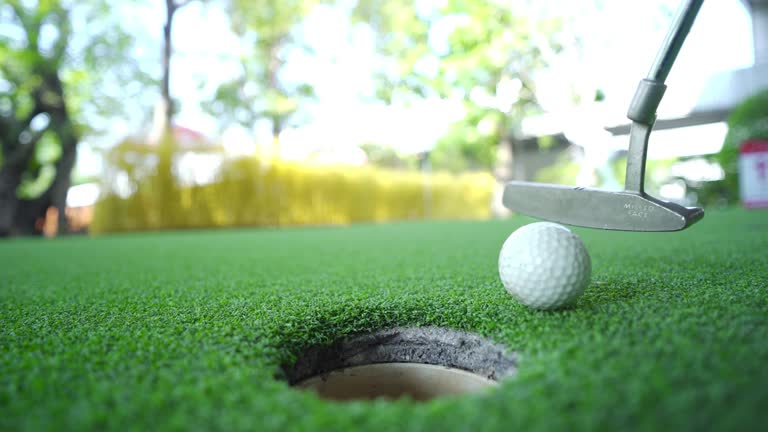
(544, 265)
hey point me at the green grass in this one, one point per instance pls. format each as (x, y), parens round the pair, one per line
(189, 330)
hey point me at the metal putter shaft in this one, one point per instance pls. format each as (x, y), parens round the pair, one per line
(631, 209)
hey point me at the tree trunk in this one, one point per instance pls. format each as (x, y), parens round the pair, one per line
(28, 215)
(17, 156)
(277, 127)
(19, 139)
(64, 166)
(164, 186)
(19, 217)
(273, 70)
(10, 178)
(170, 10)
(65, 130)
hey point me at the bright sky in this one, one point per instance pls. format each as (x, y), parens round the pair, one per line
(620, 40)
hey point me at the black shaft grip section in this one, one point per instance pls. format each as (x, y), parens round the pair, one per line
(646, 101)
(682, 24)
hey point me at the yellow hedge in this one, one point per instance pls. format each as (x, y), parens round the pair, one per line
(250, 192)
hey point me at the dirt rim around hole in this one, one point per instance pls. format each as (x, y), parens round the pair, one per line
(436, 346)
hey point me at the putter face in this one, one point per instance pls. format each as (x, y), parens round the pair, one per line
(592, 208)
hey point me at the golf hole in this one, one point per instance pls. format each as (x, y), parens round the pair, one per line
(418, 363)
(395, 380)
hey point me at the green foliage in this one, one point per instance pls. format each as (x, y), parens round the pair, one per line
(599, 95)
(749, 120)
(402, 36)
(470, 143)
(546, 142)
(383, 156)
(487, 57)
(48, 63)
(35, 183)
(41, 169)
(48, 151)
(102, 78)
(564, 171)
(657, 172)
(189, 330)
(260, 91)
(91, 61)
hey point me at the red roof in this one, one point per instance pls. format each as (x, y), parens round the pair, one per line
(188, 139)
(187, 133)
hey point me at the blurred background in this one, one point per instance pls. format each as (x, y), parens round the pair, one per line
(172, 114)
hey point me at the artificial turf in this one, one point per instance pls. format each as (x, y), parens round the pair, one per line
(189, 330)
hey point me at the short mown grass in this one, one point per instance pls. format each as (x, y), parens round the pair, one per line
(191, 330)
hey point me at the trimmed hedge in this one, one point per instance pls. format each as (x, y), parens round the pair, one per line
(253, 192)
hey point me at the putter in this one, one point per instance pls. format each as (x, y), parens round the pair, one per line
(631, 209)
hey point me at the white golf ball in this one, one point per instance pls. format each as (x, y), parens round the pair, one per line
(544, 265)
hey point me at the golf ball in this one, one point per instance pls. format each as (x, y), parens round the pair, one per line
(544, 265)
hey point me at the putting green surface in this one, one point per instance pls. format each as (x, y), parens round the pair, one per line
(189, 330)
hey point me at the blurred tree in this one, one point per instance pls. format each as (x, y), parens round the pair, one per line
(55, 84)
(164, 178)
(171, 7)
(484, 53)
(267, 29)
(386, 157)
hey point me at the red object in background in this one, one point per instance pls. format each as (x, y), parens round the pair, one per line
(753, 173)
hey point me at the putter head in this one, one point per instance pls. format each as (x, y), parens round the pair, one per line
(593, 208)
(631, 209)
